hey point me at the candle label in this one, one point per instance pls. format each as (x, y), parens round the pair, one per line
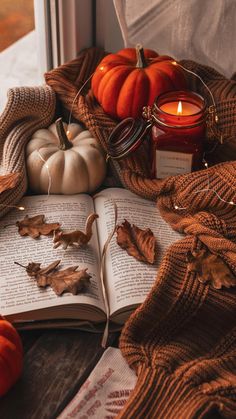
(171, 163)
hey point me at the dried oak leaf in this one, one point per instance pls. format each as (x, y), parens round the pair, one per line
(141, 244)
(211, 269)
(34, 269)
(9, 181)
(66, 280)
(35, 226)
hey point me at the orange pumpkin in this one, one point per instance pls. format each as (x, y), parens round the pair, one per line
(125, 82)
(11, 356)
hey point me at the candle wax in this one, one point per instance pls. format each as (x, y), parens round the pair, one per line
(188, 108)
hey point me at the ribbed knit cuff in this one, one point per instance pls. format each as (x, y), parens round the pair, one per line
(159, 395)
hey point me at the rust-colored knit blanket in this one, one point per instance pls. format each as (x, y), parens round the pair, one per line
(182, 340)
(133, 171)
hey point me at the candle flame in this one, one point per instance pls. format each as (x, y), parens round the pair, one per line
(179, 109)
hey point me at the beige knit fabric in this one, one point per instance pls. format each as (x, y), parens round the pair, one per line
(27, 109)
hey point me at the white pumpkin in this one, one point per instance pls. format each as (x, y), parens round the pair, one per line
(71, 166)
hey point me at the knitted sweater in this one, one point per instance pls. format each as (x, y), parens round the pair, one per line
(182, 339)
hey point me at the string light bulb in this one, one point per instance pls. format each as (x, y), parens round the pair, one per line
(179, 208)
(68, 133)
(212, 109)
(207, 189)
(13, 206)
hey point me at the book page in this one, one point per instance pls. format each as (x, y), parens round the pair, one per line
(105, 391)
(128, 280)
(20, 293)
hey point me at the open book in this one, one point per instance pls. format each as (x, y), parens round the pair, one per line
(126, 281)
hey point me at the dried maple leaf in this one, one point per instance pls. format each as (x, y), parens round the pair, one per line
(66, 280)
(211, 269)
(141, 244)
(9, 181)
(75, 237)
(35, 226)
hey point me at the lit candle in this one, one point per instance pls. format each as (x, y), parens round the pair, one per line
(180, 108)
(178, 133)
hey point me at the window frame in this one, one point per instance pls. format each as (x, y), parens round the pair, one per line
(63, 31)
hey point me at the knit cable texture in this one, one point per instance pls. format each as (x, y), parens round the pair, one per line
(133, 171)
(27, 109)
(182, 340)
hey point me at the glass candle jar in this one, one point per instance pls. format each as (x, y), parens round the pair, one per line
(177, 133)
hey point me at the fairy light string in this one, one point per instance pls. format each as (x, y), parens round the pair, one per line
(13, 206)
(48, 172)
(68, 133)
(177, 207)
(211, 109)
(22, 208)
(202, 81)
(207, 189)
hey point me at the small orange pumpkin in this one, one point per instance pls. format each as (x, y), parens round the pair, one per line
(125, 82)
(11, 356)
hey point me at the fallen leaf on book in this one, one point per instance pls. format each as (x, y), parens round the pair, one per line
(66, 280)
(141, 244)
(75, 237)
(35, 226)
(34, 269)
(211, 269)
(9, 181)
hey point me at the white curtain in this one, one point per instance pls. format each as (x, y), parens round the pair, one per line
(201, 30)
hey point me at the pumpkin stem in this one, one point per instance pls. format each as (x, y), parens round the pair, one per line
(65, 144)
(141, 60)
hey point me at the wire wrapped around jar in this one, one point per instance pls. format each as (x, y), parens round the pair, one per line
(126, 137)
